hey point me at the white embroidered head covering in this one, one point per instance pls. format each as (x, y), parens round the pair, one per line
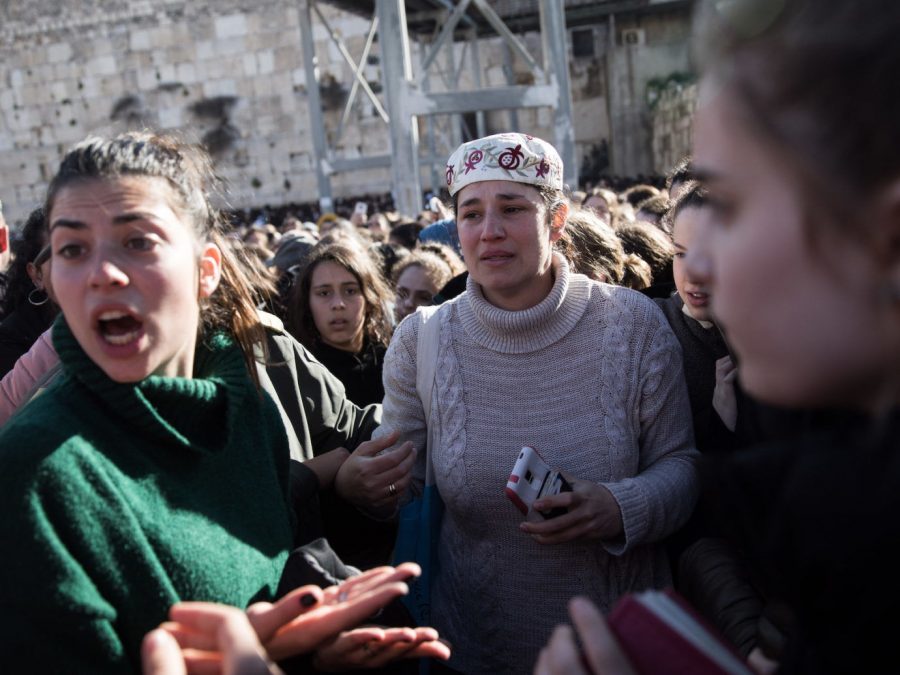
(510, 156)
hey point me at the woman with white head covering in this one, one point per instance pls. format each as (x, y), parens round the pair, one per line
(533, 354)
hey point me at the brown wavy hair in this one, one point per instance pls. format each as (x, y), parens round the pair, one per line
(839, 129)
(439, 262)
(377, 325)
(650, 244)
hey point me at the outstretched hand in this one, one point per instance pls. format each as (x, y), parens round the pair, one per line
(376, 646)
(287, 628)
(210, 638)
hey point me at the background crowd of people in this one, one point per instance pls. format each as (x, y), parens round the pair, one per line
(210, 423)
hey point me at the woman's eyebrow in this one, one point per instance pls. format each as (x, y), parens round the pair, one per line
(131, 216)
(65, 222)
(470, 201)
(120, 219)
(503, 196)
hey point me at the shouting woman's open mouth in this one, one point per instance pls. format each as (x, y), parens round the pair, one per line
(118, 327)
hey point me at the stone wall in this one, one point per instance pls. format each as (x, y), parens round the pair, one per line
(231, 73)
(672, 115)
(647, 49)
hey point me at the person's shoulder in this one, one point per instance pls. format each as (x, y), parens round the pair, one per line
(635, 319)
(287, 347)
(284, 350)
(671, 308)
(408, 328)
(406, 334)
(41, 437)
(611, 300)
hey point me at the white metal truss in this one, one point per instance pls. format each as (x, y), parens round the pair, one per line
(407, 95)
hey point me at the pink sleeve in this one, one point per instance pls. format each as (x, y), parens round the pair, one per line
(18, 384)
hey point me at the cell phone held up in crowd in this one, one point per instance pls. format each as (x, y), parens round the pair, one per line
(361, 208)
(530, 480)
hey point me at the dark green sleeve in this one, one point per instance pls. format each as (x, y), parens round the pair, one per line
(53, 618)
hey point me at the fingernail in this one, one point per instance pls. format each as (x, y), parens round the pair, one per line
(308, 600)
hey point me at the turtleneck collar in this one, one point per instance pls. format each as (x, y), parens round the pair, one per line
(196, 413)
(530, 329)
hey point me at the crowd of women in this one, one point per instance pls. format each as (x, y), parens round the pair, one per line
(208, 432)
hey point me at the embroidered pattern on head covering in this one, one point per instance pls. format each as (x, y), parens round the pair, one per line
(509, 156)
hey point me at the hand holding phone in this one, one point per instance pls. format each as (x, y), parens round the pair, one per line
(530, 480)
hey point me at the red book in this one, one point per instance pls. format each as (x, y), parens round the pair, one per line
(662, 634)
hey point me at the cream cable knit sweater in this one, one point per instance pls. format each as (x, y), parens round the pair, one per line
(592, 377)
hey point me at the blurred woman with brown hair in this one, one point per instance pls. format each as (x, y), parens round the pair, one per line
(421, 275)
(795, 142)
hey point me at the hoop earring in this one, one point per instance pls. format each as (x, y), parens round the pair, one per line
(38, 303)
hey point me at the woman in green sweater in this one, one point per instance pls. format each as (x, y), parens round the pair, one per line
(154, 470)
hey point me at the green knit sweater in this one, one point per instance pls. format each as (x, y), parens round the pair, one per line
(118, 500)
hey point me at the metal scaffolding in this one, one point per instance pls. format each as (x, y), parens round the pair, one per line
(407, 95)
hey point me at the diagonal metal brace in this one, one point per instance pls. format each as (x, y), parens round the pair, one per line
(503, 30)
(446, 33)
(357, 70)
(348, 106)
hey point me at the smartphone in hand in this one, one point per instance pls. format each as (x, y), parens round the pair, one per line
(531, 479)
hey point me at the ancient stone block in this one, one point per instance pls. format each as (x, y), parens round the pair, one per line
(101, 65)
(139, 40)
(266, 62)
(185, 73)
(233, 25)
(59, 52)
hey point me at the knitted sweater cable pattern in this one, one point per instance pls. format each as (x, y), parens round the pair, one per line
(592, 378)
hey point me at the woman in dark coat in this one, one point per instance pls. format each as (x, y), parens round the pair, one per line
(338, 310)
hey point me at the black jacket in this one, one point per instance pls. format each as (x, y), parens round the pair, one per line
(701, 348)
(20, 329)
(359, 373)
(819, 521)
